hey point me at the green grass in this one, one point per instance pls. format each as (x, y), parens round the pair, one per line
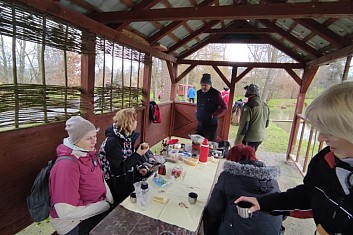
(276, 140)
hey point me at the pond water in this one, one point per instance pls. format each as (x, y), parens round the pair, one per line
(281, 118)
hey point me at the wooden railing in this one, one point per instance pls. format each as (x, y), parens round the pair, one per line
(312, 144)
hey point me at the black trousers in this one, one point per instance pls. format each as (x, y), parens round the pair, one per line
(121, 187)
(255, 145)
(87, 225)
(207, 130)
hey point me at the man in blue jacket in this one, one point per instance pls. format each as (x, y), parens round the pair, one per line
(210, 106)
(191, 94)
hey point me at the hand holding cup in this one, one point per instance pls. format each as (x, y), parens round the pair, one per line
(142, 149)
(255, 204)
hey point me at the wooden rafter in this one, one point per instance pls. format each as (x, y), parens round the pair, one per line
(183, 74)
(240, 31)
(245, 72)
(324, 32)
(206, 41)
(248, 11)
(290, 38)
(173, 25)
(242, 64)
(242, 40)
(332, 56)
(86, 5)
(282, 48)
(224, 78)
(171, 71)
(59, 11)
(296, 78)
(192, 35)
(144, 4)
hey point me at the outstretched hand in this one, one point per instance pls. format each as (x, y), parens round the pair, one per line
(252, 200)
(142, 149)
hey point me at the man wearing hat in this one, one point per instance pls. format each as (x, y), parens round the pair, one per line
(210, 106)
(254, 119)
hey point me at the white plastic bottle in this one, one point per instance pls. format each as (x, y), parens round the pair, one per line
(143, 200)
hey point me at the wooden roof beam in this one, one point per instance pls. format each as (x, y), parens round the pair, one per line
(144, 4)
(244, 41)
(269, 40)
(324, 32)
(241, 30)
(245, 72)
(186, 71)
(61, 12)
(197, 47)
(173, 25)
(346, 51)
(294, 76)
(222, 76)
(246, 11)
(192, 35)
(242, 64)
(282, 48)
(291, 38)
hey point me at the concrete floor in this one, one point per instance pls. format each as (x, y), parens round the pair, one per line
(290, 177)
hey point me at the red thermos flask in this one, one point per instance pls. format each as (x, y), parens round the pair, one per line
(204, 151)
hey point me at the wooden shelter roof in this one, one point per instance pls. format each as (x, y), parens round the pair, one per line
(309, 31)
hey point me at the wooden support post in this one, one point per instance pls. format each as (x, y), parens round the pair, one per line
(147, 71)
(300, 141)
(173, 70)
(87, 83)
(306, 159)
(308, 76)
(228, 113)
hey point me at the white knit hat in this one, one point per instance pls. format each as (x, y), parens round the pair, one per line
(77, 127)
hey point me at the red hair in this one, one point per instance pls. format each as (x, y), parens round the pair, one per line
(240, 153)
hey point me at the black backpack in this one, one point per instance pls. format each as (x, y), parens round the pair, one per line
(38, 201)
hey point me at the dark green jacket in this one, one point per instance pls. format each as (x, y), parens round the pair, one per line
(254, 119)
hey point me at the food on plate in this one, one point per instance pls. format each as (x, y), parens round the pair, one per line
(172, 159)
(177, 171)
(160, 198)
(191, 161)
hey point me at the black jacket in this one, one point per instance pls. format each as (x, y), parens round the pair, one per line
(123, 163)
(117, 148)
(210, 106)
(318, 195)
(250, 178)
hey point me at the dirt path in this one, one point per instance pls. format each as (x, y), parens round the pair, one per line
(289, 178)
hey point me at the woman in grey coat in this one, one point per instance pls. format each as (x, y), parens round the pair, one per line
(243, 175)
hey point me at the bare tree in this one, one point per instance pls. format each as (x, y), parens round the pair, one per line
(4, 60)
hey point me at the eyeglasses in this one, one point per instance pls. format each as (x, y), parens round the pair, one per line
(95, 164)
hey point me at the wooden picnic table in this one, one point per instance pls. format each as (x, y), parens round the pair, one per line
(124, 221)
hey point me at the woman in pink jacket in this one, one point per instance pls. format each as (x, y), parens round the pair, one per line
(80, 197)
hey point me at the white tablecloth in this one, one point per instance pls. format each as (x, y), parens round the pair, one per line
(198, 179)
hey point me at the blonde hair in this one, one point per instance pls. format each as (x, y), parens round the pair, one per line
(124, 119)
(332, 111)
